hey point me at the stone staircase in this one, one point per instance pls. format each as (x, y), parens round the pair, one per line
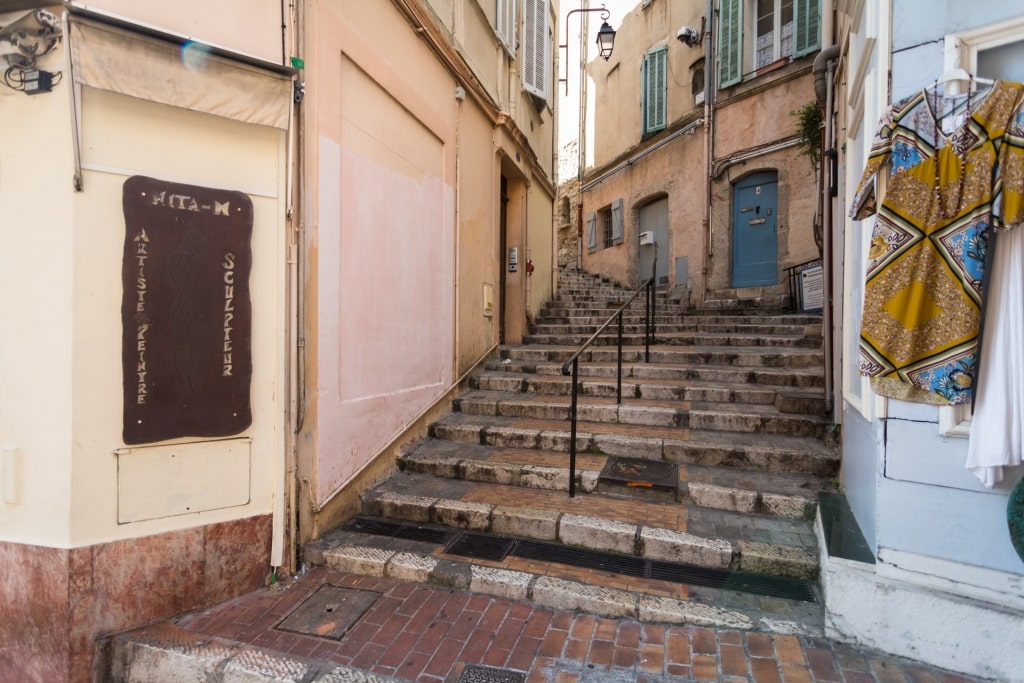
(695, 497)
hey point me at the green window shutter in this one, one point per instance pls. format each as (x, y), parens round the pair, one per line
(655, 80)
(806, 27)
(730, 43)
(617, 221)
(536, 48)
(591, 231)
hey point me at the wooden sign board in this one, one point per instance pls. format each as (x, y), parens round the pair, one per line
(186, 313)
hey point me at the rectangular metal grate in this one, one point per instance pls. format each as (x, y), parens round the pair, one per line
(403, 530)
(480, 546)
(474, 673)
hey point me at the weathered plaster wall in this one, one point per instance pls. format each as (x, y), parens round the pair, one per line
(37, 260)
(618, 85)
(656, 175)
(249, 26)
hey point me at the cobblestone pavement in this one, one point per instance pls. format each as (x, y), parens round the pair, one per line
(414, 632)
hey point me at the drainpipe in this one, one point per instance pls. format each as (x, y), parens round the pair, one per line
(824, 68)
(710, 85)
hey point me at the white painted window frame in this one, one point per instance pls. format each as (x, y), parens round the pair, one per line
(867, 100)
(506, 22)
(960, 50)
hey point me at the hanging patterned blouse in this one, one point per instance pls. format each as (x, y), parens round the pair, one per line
(955, 170)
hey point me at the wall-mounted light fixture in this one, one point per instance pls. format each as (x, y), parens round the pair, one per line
(605, 39)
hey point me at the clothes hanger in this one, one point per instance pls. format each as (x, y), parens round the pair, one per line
(959, 74)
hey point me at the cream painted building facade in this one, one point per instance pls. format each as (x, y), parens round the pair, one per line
(248, 250)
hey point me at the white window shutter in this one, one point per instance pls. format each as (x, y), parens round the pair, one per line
(617, 221)
(806, 27)
(591, 231)
(536, 49)
(730, 43)
(506, 24)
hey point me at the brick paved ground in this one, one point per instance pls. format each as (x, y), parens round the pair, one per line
(420, 633)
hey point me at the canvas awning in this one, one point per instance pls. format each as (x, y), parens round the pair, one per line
(175, 71)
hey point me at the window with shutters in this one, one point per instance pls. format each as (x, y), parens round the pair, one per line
(754, 34)
(605, 227)
(536, 48)
(506, 25)
(655, 94)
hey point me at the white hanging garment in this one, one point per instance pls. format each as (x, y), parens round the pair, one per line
(998, 421)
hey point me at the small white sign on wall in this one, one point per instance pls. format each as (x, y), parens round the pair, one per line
(812, 289)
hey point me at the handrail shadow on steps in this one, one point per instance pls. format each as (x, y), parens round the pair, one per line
(574, 362)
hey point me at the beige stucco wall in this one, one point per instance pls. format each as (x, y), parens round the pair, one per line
(250, 26)
(671, 172)
(37, 247)
(61, 263)
(618, 82)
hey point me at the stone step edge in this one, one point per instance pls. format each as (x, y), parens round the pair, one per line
(785, 399)
(547, 478)
(548, 368)
(739, 418)
(537, 382)
(546, 591)
(165, 652)
(596, 533)
(821, 462)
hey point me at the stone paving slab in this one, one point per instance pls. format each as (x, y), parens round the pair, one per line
(431, 635)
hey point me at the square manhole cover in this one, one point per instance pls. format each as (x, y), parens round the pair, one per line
(485, 674)
(329, 612)
(639, 473)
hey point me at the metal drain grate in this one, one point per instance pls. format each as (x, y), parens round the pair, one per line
(580, 557)
(640, 473)
(480, 546)
(403, 530)
(475, 673)
(759, 584)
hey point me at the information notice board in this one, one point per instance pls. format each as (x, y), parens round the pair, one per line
(186, 312)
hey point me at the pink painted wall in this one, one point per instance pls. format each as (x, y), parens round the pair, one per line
(385, 239)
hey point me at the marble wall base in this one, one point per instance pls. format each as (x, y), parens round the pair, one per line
(57, 603)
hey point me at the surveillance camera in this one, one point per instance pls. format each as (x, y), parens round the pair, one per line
(688, 35)
(33, 34)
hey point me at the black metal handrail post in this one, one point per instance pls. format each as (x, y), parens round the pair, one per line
(618, 372)
(572, 428)
(571, 366)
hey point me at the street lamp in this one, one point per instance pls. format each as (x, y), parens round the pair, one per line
(605, 39)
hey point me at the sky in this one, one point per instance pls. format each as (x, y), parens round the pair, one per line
(568, 123)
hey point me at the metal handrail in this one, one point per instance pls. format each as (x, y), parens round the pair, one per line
(574, 362)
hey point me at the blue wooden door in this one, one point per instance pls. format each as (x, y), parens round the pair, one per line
(755, 247)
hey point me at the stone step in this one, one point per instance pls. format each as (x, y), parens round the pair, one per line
(576, 325)
(738, 356)
(749, 491)
(804, 401)
(669, 531)
(779, 453)
(777, 378)
(601, 314)
(726, 417)
(663, 337)
(557, 586)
